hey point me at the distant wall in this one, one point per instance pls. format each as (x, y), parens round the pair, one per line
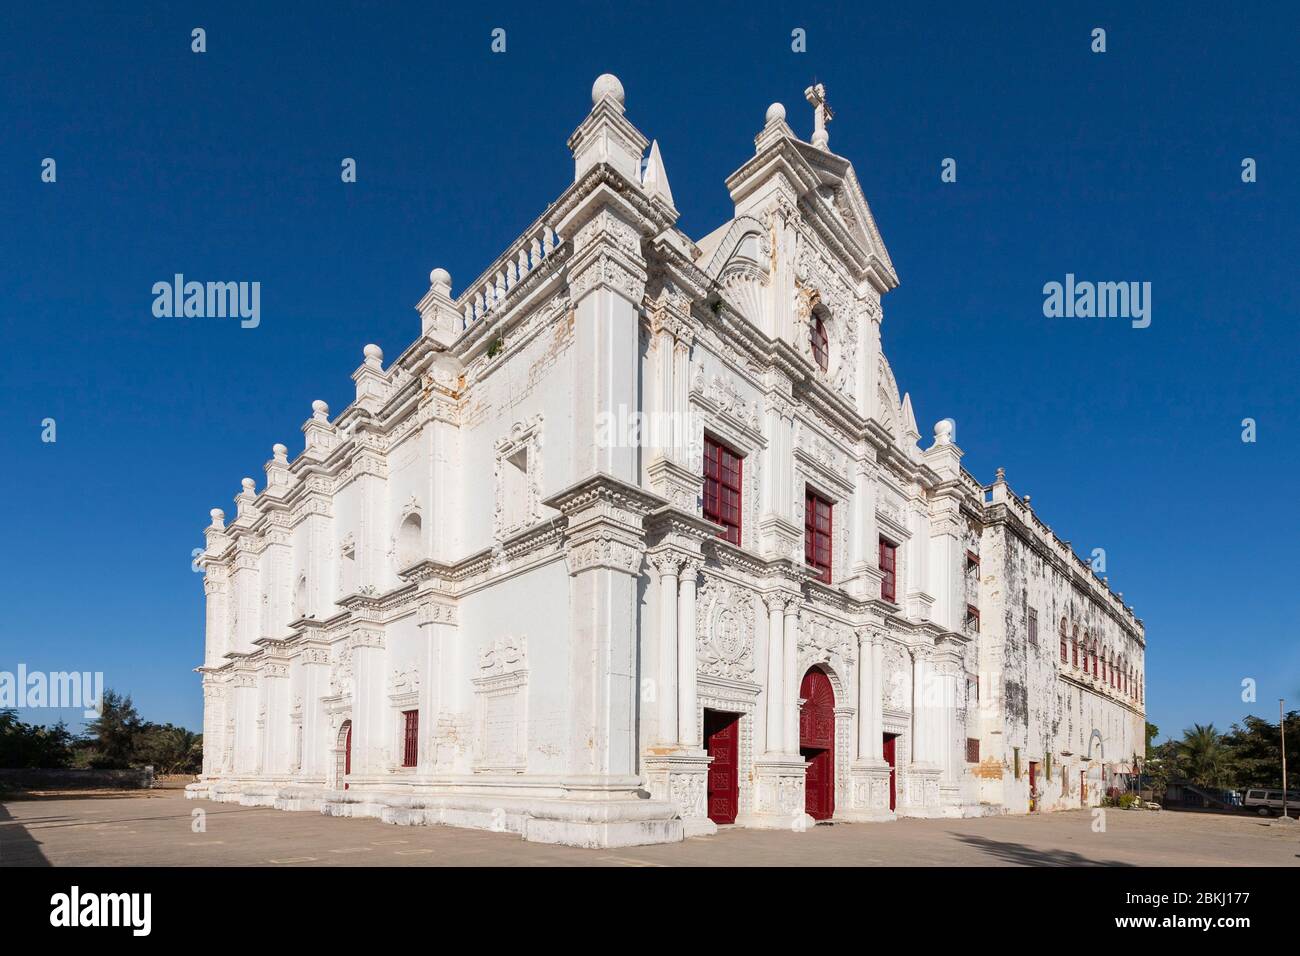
(29, 779)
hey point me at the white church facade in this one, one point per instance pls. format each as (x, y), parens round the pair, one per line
(637, 538)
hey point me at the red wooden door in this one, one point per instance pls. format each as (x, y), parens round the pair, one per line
(890, 758)
(817, 743)
(722, 742)
(347, 755)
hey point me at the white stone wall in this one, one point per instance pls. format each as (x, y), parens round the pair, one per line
(479, 538)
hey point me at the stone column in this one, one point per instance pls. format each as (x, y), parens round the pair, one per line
(775, 672)
(215, 590)
(790, 706)
(315, 661)
(779, 536)
(864, 563)
(278, 743)
(779, 774)
(430, 673)
(666, 698)
(681, 397)
(213, 717)
(877, 697)
(924, 772)
(866, 700)
(688, 729)
(247, 598)
(244, 740)
(669, 401)
(869, 774)
(371, 730)
(605, 549)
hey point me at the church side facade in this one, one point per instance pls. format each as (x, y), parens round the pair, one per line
(637, 539)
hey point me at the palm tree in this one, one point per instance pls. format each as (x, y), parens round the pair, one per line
(1204, 756)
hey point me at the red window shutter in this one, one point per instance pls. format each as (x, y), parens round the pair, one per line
(817, 534)
(820, 342)
(723, 484)
(888, 567)
(411, 735)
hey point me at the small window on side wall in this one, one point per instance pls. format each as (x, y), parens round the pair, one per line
(410, 738)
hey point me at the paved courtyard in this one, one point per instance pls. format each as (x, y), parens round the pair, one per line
(154, 828)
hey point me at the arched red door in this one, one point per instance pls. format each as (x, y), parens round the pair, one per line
(817, 743)
(345, 758)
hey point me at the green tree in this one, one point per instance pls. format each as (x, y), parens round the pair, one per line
(112, 735)
(1256, 748)
(1152, 733)
(29, 745)
(1204, 757)
(169, 749)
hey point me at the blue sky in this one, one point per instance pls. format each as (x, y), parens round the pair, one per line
(1119, 166)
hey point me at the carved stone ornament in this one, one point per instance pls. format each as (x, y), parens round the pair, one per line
(503, 656)
(605, 550)
(725, 630)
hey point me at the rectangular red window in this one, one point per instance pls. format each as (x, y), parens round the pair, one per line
(972, 618)
(972, 561)
(410, 737)
(888, 571)
(972, 750)
(1074, 653)
(817, 534)
(722, 488)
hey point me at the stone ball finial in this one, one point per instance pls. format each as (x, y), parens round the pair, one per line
(218, 518)
(775, 113)
(1002, 474)
(943, 432)
(440, 277)
(280, 452)
(248, 485)
(607, 84)
(319, 410)
(374, 354)
(1026, 501)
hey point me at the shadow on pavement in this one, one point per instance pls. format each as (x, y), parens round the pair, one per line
(17, 846)
(1023, 855)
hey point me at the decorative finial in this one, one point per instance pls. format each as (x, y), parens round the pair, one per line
(1002, 474)
(775, 113)
(440, 278)
(280, 452)
(822, 114)
(218, 518)
(1026, 501)
(248, 485)
(320, 411)
(607, 84)
(374, 356)
(943, 432)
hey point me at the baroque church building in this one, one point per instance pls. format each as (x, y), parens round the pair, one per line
(638, 538)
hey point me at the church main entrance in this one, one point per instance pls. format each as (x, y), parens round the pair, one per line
(817, 743)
